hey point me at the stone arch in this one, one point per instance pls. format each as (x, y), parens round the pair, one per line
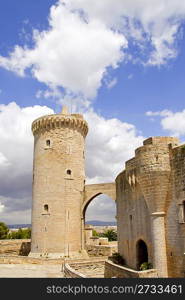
(91, 191)
(141, 252)
(94, 190)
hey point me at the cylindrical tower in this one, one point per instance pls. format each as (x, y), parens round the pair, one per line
(58, 185)
(153, 174)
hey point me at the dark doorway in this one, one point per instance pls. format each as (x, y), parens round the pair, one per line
(141, 252)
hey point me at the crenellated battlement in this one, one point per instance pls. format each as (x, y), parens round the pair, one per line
(50, 122)
(151, 169)
(159, 140)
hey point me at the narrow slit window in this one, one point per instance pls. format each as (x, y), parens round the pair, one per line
(46, 208)
(184, 211)
(48, 143)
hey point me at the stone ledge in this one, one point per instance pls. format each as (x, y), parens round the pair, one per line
(71, 273)
(117, 271)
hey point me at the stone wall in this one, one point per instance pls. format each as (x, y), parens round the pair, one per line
(151, 206)
(15, 247)
(175, 220)
(101, 250)
(7, 259)
(116, 271)
(132, 217)
(70, 272)
(86, 269)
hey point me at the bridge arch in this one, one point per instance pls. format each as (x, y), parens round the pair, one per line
(91, 192)
(94, 190)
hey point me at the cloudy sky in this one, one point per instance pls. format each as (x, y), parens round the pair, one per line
(120, 63)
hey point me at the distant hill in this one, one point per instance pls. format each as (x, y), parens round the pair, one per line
(92, 222)
(19, 225)
(101, 223)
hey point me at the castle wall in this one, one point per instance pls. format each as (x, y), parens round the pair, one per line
(15, 247)
(175, 221)
(151, 189)
(133, 220)
(116, 271)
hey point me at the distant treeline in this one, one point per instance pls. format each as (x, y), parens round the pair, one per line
(5, 233)
(111, 234)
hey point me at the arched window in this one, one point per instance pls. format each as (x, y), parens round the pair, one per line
(46, 208)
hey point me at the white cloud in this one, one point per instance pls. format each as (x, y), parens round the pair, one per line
(16, 154)
(54, 93)
(174, 122)
(130, 76)
(16, 217)
(85, 39)
(156, 22)
(72, 53)
(162, 113)
(1, 208)
(3, 160)
(110, 84)
(101, 208)
(109, 143)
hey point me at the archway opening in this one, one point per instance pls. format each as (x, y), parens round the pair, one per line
(100, 213)
(142, 253)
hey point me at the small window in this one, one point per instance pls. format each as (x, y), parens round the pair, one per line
(48, 143)
(68, 172)
(46, 207)
(182, 212)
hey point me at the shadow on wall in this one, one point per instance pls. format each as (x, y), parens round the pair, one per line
(25, 248)
(14, 247)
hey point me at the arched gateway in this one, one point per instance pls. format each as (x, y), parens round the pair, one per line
(92, 191)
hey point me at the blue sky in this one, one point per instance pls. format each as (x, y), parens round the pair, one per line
(121, 65)
(138, 89)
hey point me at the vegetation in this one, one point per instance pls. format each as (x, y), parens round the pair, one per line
(20, 234)
(95, 233)
(145, 266)
(3, 231)
(117, 259)
(111, 234)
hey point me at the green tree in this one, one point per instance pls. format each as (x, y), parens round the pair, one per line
(145, 266)
(95, 233)
(111, 234)
(20, 234)
(3, 231)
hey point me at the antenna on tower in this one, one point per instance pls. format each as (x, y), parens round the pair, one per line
(64, 110)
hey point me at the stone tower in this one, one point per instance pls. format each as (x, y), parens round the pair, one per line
(58, 185)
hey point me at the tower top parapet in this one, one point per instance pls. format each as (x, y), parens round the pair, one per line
(61, 120)
(161, 140)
